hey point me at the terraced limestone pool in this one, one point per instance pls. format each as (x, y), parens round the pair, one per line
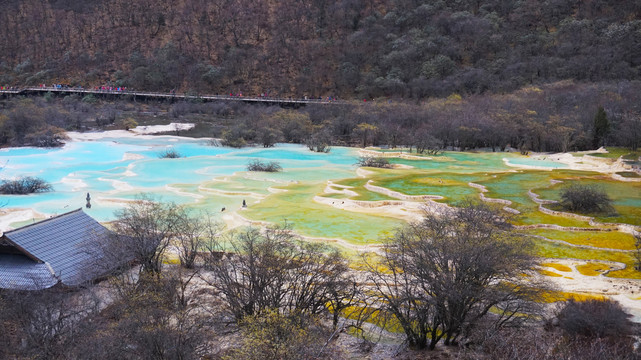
(325, 195)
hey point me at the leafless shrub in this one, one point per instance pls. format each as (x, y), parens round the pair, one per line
(237, 136)
(427, 143)
(24, 185)
(48, 137)
(273, 270)
(170, 153)
(46, 322)
(160, 319)
(258, 165)
(320, 142)
(373, 161)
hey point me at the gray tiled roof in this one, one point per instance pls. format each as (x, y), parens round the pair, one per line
(65, 243)
(20, 272)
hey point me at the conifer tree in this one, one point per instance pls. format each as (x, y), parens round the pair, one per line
(601, 127)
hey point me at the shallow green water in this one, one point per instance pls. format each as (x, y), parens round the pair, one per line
(295, 206)
(357, 185)
(513, 187)
(212, 178)
(597, 239)
(453, 187)
(626, 197)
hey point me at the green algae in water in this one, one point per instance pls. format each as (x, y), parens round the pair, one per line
(452, 187)
(305, 176)
(616, 152)
(626, 197)
(461, 162)
(296, 206)
(553, 250)
(239, 184)
(357, 185)
(514, 187)
(628, 273)
(338, 196)
(629, 174)
(601, 239)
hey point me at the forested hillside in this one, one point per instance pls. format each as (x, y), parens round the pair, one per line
(345, 48)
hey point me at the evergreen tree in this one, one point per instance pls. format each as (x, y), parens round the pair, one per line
(601, 127)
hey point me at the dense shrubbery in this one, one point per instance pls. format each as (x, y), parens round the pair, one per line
(586, 199)
(557, 117)
(257, 165)
(24, 185)
(26, 122)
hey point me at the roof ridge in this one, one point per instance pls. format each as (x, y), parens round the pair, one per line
(43, 221)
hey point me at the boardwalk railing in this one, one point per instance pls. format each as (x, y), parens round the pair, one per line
(157, 95)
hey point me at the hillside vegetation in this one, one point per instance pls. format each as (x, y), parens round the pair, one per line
(345, 48)
(556, 117)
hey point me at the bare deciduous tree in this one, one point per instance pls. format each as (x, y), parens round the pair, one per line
(320, 141)
(47, 322)
(427, 143)
(440, 277)
(193, 233)
(24, 185)
(273, 270)
(143, 231)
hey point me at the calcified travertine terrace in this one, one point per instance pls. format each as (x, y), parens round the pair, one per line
(325, 197)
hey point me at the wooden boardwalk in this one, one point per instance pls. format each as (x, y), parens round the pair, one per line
(166, 96)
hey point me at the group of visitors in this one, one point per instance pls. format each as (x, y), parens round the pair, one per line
(124, 89)
(267, 95)
(111, 88)
(96, 88)
(60, 86)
